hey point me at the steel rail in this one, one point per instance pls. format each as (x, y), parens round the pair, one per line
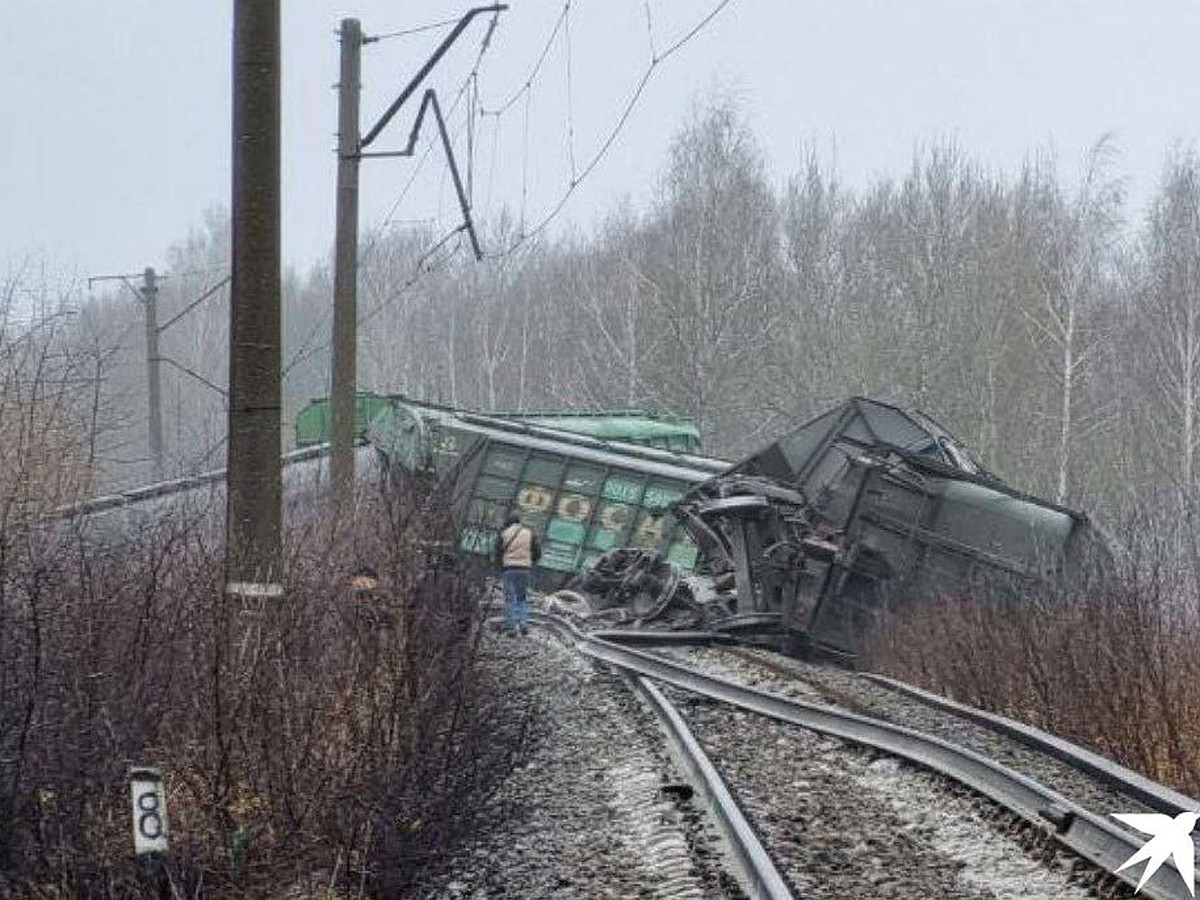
(1088, 835)
(759, 877)
(1132, 784)
(1158, 797)
(757, 872)
(682, 638)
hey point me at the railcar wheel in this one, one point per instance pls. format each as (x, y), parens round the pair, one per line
(650, 587)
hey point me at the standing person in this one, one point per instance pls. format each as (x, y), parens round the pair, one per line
(517, 551)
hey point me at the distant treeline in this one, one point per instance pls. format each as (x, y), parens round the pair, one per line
(1056, 336)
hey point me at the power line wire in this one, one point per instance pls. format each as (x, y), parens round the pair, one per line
(655, 62)
(487, 209)
(187, 309)
(650, 30)
(502, 108)
(525, 161)
(404, 32)
(421, 269)
(570, 114)
(484, 45)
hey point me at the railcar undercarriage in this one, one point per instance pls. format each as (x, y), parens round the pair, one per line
(861, 511)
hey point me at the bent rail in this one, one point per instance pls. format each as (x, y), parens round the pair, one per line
(1156, 796)
(1086, 834)
(759, 875)
(757, 872)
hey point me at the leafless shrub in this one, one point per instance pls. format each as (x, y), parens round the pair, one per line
(332, 739)
(1110, 663)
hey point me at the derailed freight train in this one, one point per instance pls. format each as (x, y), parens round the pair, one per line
(865, 509)
(583, 494)
(860, 511)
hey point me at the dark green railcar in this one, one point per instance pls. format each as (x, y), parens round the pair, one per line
(868, 508)
(313, 422)
(582, 495)
(633, 426)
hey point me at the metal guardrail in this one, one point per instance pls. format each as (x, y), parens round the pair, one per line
(1088, 835)
(1138, 787)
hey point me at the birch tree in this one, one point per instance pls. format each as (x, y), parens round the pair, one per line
(710, 271)
(1078, 248)
(613, 327)
(1171, 311)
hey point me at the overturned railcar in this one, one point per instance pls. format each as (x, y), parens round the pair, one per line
(582, 494)
(867, 508)
(629, 426)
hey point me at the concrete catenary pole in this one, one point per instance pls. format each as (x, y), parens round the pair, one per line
(149, 293)
(253, 480)
(345, 273)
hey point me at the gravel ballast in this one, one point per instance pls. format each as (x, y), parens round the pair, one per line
(597, 809)
(826, 684)
(845, 822)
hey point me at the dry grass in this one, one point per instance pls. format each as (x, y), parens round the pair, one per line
(326, 743)
(1112, 664)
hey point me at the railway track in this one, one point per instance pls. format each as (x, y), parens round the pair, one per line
(756, 869)
(1097, 783)
(1049, 815)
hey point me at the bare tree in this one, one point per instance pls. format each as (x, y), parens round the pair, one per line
(1171, 311)
(1078, 249)
(710, 272)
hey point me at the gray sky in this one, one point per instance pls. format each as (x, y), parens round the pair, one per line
(117, 113)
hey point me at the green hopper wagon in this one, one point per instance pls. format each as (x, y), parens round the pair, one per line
(583, 495)
(634, 426)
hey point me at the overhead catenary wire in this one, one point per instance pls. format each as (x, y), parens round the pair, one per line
(525, 162)
(561, 26)
(656, 60)
(487, 209)
(404, 32)
(650, 30)
(527, 82)
(484, 45)
(570, 91)
(307, 348)
(194, 374)
(187, 309)
(422, 268)
(472, 103)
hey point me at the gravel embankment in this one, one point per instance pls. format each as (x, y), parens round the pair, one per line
(597, 810)
(826, 684)
(848, 823)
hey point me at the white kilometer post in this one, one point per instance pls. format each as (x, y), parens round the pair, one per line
(149, 811)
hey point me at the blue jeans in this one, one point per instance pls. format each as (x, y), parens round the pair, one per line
(516, 602)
